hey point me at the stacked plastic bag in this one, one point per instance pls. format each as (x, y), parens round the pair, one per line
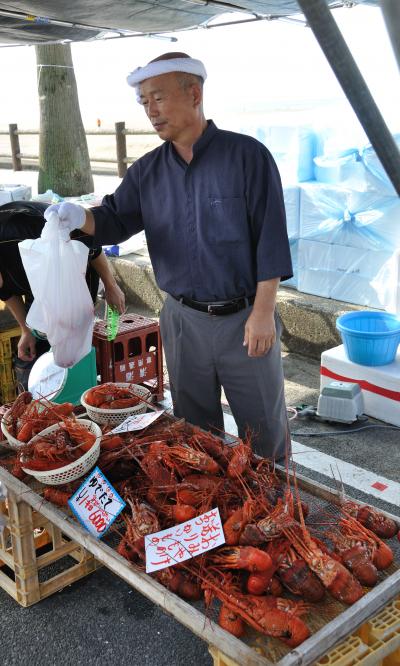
(349, 230)
(343, 215)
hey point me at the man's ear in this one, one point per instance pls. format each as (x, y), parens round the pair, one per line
(197, 94)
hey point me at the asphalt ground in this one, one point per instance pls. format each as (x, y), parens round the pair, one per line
(374, 449)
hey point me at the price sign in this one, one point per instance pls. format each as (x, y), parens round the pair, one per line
(96, 503)
(179, 543)
(136, 422)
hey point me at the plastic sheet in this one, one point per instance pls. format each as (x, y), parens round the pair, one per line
(339, 138)
(13, 192)
(136, 243)
(374, 166)
(349, 171)
(342, 216)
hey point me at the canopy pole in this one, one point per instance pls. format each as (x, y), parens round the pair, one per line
(332, 43)
(391, 14)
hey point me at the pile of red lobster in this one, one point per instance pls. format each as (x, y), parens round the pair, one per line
(27, 417)
(273, 566)
(173, 472)
(58, 448)
(111, 396)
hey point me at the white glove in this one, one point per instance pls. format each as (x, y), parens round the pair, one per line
(71, 215)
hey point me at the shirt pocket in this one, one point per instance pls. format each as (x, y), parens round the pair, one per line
(228, 219)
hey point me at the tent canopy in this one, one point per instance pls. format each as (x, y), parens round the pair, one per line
(41, 21)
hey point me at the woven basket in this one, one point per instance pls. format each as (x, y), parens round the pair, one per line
(13, 442)
(116, 416)
(76, 469)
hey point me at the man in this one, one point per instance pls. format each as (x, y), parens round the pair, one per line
(25, 219)
(211, 205)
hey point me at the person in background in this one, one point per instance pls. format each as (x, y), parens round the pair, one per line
(25, 219)
(211, 204)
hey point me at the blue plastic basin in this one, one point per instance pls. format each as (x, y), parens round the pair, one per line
(369, 338)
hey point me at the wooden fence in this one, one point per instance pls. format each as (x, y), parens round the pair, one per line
(120, 132)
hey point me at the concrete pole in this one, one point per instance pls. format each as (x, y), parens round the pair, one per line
(331, 41)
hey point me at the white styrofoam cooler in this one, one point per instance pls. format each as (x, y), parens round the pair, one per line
(340, 272)
(291, 196)
(380, 385)
(14, 193)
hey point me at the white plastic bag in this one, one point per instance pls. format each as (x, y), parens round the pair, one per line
(62, 306)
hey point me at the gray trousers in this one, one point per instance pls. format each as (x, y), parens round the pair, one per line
(206, 352)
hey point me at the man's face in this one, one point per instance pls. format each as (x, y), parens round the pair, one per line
(172, 110)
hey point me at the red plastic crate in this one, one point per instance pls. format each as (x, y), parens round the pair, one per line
(135, 355)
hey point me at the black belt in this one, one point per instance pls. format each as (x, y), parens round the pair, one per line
(219, 307)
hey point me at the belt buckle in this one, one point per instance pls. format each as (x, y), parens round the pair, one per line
(212, 306)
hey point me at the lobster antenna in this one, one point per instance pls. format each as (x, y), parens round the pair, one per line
(223, 432)
(287, 456)
(298, 500)
(342, 490)
(339, 485)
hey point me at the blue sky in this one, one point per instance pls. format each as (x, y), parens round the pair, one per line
(257, 72)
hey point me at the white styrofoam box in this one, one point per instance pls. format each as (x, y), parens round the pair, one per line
(291, 195)
(339, 138)
(294, 244)
(314, 275)
(387, 284)
(335, 169)
(293, 149)
(374, 166)
(340, 272)
(354, 270)
(334, 214)
(14, 193)
(380, 385)
(353, 174)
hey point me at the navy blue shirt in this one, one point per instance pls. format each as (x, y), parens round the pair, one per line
(214, 227)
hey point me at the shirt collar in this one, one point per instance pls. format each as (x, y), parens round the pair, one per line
(200, 145)
(205, 138)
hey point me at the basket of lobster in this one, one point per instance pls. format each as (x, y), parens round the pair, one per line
(63, 452)
(27, 417)
(113, 402)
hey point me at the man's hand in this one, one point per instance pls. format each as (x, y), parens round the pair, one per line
(71, 215)
(115, 297)
(27, 346)
(259, 333)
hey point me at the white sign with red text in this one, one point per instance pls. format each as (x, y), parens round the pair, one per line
(181, 542)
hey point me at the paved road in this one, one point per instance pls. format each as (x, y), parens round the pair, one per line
(98, 620)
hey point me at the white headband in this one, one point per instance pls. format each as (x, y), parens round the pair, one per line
(187, 65)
